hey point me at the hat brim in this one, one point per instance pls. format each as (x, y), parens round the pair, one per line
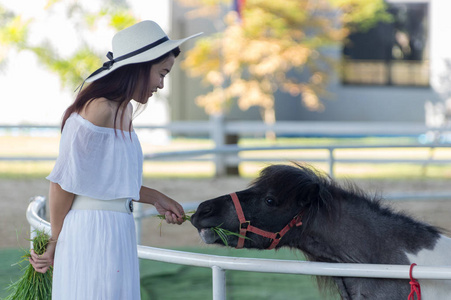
(146, 56)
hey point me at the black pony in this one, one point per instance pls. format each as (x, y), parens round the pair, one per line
(298, 207)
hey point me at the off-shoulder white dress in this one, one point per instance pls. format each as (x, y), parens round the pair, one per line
(96, 253)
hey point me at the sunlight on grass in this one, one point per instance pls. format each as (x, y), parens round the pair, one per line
(178, 169)
(190, 169)
(27, 169)
(394, 171)
(375, 171)
(28, 145)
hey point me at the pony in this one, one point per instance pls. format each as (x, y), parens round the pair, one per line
(299, 207)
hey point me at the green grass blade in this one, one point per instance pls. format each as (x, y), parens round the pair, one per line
(33, 285)
(224, 233)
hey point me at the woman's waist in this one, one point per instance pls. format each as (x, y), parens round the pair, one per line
(124, 205)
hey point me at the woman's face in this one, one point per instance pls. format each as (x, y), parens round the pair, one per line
(157, 74)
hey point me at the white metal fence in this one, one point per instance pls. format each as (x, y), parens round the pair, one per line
(217, 128)
(229, 155)
(220, 264)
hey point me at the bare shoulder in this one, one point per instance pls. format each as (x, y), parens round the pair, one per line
(128, 117)
(99, 112)
(129, 110)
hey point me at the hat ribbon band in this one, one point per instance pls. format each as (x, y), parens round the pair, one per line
(107, 65)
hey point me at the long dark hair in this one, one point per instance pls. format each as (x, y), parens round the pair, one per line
(118, 86)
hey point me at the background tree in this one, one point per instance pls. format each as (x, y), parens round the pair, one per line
(275, 45)
(72, 68)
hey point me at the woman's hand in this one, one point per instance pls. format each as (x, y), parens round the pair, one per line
(171, 209)
(41, 263)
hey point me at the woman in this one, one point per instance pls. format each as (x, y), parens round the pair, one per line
(98, 173)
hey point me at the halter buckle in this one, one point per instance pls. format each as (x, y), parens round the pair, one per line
(245, 225)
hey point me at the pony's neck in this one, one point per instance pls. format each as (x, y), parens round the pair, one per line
(365, 232)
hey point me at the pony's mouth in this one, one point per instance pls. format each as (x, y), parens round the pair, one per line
(207, 235)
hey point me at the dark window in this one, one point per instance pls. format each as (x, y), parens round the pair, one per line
(392, 53)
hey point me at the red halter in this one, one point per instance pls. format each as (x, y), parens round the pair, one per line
(246, 226)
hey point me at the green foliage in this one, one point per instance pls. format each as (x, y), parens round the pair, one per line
(71, 70)
(119, 17)
(74, 68)
(15, 31)
(51, 2)
(362, 15)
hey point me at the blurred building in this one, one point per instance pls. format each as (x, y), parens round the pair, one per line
(398, 71)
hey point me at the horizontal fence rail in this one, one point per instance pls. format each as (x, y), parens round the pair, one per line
(219, 264)
(301, 128)
(317, 128)
(229, 155)
(217, 128)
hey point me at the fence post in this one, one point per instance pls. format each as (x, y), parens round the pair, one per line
(331, 162)
(217, 135)
(219, 283)
(41, 213)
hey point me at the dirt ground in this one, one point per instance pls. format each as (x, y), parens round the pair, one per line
(15, 195)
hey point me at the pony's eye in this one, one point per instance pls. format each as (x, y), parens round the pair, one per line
(270, 202)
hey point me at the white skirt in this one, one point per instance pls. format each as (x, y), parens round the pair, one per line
(96, 257)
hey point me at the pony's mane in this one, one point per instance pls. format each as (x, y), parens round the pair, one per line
(318, 192)
(313, 187)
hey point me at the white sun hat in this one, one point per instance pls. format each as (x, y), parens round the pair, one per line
(142, 42)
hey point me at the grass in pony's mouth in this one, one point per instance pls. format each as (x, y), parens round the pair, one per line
(224, 233)
(218, 230)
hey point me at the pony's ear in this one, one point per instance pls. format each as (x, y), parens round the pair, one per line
(316, 196)
(309, 194)
(325, 199)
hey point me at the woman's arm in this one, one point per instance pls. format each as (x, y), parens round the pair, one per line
(166, 206)
(60, 202)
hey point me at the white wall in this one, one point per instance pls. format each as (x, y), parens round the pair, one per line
(440, 37)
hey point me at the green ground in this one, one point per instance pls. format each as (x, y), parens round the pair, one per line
(163, 281)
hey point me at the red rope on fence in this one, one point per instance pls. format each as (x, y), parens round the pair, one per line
(414, 286)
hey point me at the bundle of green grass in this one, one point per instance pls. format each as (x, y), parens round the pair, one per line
(32, 284)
